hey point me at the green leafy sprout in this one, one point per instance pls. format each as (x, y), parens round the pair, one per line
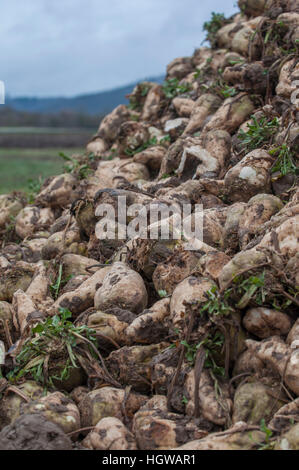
(34, 187)
(185, 400)
(260, 132)
(164, 139)
(284, 163)
(56, 335)
(162, 293)
(211, 346)
(253, 286)
(217, 86)
(217, 305)
(60, 282)
(173, 88)
(83, 170)
(168, 175)
(268, 444)
(228, 92)
(134, 102)
(9, 230)
(211, 27)
(150, 143)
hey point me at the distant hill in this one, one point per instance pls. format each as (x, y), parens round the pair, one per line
(95, 103)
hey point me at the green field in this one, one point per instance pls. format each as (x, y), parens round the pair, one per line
(17, 166)
(44, 130)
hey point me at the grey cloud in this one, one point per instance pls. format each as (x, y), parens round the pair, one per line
(67, 47)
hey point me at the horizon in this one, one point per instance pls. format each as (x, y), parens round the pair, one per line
(96, 92)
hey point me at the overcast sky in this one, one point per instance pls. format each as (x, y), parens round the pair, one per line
(69, 47)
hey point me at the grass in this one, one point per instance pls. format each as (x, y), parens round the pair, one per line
(18, 166)
(43, 130)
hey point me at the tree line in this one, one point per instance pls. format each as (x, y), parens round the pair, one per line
(10, 117)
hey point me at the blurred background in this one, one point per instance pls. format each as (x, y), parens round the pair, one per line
(67, 63)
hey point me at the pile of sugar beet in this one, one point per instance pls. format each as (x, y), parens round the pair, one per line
(141, 343)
